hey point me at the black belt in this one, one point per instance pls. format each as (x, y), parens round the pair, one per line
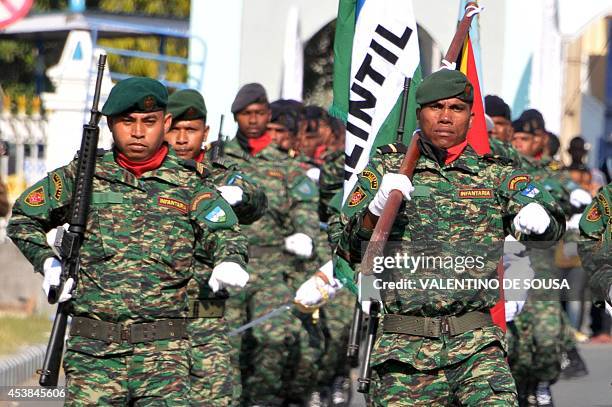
(436, 326)
(132, 333)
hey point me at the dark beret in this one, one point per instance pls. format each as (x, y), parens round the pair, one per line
(249, 94)
(495, 106)
(535, 117)
(523, 126)
(186, 104)
(136, 94)
(445, 84)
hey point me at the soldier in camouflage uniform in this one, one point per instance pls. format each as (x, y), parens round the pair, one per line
(278, 244)
(150, 216)
(457, 196)
(596, 228)
(215, 380)
(501, 134)
(543, 331)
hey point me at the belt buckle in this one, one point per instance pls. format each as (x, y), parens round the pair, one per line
(125, 333)
(444, 326)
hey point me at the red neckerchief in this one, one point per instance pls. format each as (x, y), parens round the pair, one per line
(259, 143)
(140, 167)
(454, 152)
(538, 156)
(319, 152)
(200, 157)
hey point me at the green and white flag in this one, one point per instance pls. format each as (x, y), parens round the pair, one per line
(375, 48)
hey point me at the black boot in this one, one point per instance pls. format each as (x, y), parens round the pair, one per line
(574, 366)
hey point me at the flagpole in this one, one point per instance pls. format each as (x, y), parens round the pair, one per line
(383, 225)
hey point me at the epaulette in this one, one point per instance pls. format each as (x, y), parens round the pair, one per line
(392, 148)
(196, 166)
(220, 162)
(498, 159)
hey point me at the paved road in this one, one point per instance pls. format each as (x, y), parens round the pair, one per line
(593, 390)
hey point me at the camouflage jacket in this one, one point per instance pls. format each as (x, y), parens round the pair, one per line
(254, 200)
(500, 148)
(292, 196)
(458, 209)
(596, 228)
(142, 237)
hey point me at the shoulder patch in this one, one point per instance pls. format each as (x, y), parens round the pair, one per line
(216, 215)
(555, 165)
(36, 197)
(58, 185)
(514, 181)
(306, 188)
(593, 215)
(370, 176)
(356, 197)
(393, 148)
(530, 191)
(198, 199)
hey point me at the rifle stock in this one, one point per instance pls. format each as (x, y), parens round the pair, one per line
(69, 243)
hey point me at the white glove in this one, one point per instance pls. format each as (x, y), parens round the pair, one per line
(574, 222)
(231, 193)
(579, 198)
(52, 269)
(299, 244)
(315, 290)
(513, 308)
(390, 182)
(314, 173)
(533, 218)
(227, 274)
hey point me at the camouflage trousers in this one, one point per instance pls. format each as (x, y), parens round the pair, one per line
(484, 379)
(154, 374)
(277, 357)
(336, 323)
(536, 341)
(215, 380)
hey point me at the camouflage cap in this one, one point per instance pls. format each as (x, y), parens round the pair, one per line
(445, 84)
(249, 94)
(136, 94)
(187, 104)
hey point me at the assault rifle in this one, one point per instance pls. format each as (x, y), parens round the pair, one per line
(68, 243)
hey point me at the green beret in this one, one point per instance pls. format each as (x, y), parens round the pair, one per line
(186, 104)
(445, 84)
(136, 94)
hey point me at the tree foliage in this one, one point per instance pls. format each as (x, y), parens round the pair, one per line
(19, 63)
